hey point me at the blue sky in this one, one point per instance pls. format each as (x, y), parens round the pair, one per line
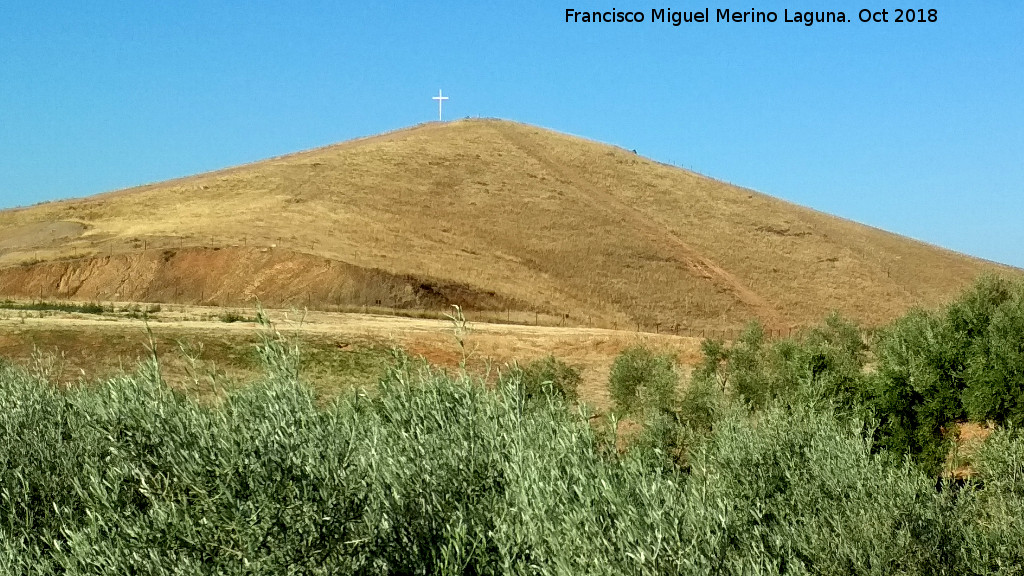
(914, 128)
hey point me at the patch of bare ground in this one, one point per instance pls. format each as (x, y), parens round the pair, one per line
(968, 439)
(236, 276)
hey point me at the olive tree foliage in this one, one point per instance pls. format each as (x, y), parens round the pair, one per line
(917, 386)
(995, 372)
(643, 381)
(827, 362)
(434, 473)
(938, 368)
(546, 378)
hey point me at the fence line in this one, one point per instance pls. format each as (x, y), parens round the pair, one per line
(114, 246)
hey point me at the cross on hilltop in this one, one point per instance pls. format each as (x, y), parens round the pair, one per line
(440, 101)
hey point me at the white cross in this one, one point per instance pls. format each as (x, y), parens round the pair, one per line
(440, 101)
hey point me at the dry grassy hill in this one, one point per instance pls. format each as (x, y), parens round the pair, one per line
(491, 214)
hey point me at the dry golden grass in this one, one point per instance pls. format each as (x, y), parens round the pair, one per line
(342, 349)
(491, 213)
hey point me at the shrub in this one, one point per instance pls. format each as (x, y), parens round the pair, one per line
(993, 535)
(700, 405)
(433, 473)
(827, 363)
(89, 308)
(642, 381)
(797, 490)
(437, 474)
(936, 368)
(100, 473)
(232, 316)
(749, 376)
(714, 363)
(917, 387)
(548, 377)
(995, 375)
(970, 314)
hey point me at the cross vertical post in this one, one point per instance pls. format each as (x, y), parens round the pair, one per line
(440, 101)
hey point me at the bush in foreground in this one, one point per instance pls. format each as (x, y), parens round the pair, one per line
(433, 474)
(938, 368)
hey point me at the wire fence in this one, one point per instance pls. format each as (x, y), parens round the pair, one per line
(198, 295)
(565, 320)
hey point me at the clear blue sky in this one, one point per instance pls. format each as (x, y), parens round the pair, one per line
(914, 128)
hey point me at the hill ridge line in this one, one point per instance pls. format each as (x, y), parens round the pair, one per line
(500, 216)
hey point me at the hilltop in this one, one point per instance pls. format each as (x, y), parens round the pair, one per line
(503, 218)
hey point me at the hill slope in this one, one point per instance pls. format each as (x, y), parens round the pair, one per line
(491, 214)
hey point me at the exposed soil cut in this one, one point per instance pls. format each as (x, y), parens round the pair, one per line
(239, 277)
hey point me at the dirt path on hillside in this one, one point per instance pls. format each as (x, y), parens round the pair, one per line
(698, 264)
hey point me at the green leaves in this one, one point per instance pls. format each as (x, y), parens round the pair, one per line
(995, 374)
(547, 378)
(917, 386)
(642, 381)
(938, 368)
(436, 473)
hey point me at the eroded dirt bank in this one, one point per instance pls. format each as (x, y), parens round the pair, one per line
(237, 277)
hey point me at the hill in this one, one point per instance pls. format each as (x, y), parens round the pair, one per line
(494, 215)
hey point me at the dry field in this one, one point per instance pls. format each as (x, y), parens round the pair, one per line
(511, 221)
(343, 349)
